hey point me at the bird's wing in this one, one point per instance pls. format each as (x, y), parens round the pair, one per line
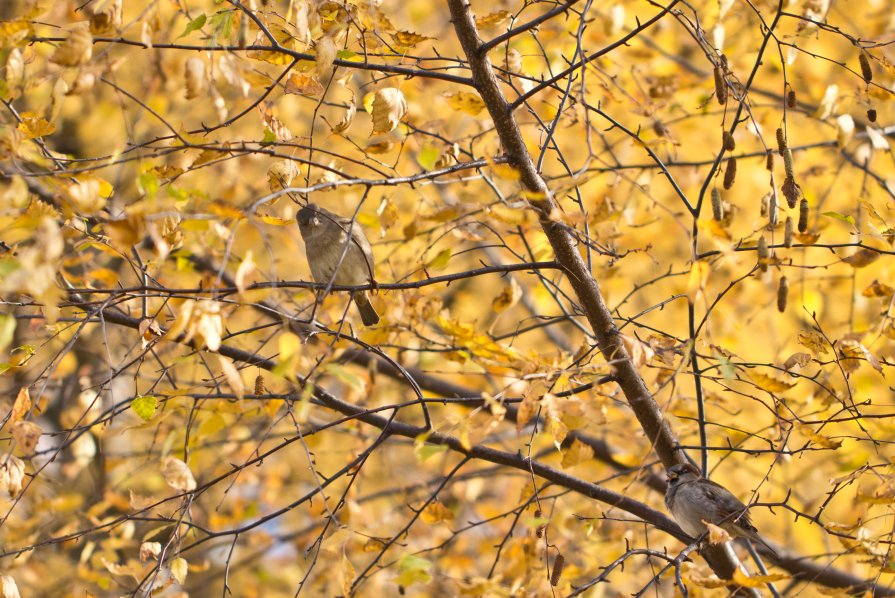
(730, 508)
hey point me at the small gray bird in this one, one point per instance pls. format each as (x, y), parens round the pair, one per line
(693, 499)
(326, 235)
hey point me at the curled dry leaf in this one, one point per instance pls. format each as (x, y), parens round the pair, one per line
(12, 472)
(76, 50)
(26, 435)
(301, 84)
(194, 77)
(178, 475)
(244, 271)
(717, 535)
(797, 359)
(232, 376)
(8, 587)
(326, 50)
(150, 551)
(105, 16)
(281, 174)
(508, 297)
(343, 124)
(640, 352)
(387, 108)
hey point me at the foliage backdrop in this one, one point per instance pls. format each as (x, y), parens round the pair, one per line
(616, 233)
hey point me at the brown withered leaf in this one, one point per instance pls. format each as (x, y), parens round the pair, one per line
(861, 258)
(407, 40)
(492, 20)
(797, 359)
(878, 289)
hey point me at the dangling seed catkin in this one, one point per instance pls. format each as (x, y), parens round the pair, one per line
(782, 294)
(769, 162)
(772, 209)
(787, 232)
(781, 141)
(803, 215)
(728, 141)
(720, 87)
(763, 254)
(730, 174)
(791, 98)
(871, 115)
(866, 71)
(717, 208)
(558, 563)
(787, 163)
(790, 192)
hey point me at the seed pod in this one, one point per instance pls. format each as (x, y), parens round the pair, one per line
(782, 294)
(730, 174)
(787, 163)
(772, 208)
(728, 141)
(720, 86)
(790, 192)
(866, 71)
(558, 563)
(787, 232)
(769, 162)
(764, 254)
(781, 141)
(871, 115)
(791, 98)
(803, 215)
(717, 208)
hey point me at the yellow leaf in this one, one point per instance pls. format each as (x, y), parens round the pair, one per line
(577, 453)
(407, 40)
(387, 109)
(699, 274)
(14, 33)
(492, 20)
(768, 383)
(823, 441)
(468, 102)
(179, 568)
(22, 405)
(232, 376)
(814, 341)
(34, 125)
(76, 50)
(302, 84)
(878, 289)
(436, 512)
(508, 297)
(717, 535)
(757, 581)
(440, 261)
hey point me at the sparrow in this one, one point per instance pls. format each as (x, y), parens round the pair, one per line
(694, 500)
(338, 253)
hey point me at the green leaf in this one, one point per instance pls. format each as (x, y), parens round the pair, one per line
(196, 23)
(222, 23)
(269, 137)
(428, 157)
(842, 217)
(7, 329)
(425, 450)
(148, 182)
(441, 260)
(413, 569)
(145, 406)
(345, 54)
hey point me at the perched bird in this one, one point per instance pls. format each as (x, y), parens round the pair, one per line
(693, 500)
(338, 253)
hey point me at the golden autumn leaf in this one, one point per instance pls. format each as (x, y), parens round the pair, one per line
(508, 297)
(757, 581)
(436, 512)
(407, 40)
(302, 84)
(465, 101)
(76, 50)
(492, 19)
(387, 107)
(34, 125)
(768, 383)
(815, 341)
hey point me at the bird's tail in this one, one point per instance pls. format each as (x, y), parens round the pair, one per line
(368, 315)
